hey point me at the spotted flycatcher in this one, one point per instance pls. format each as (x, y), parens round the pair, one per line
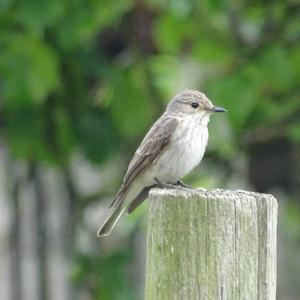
(173, 147)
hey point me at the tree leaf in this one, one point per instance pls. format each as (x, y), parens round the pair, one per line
(30, 69)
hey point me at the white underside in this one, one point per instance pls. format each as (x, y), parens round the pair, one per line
(182, 154)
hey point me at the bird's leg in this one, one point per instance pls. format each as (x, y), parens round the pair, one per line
(159, 184)
(182, 184)
(177, 185)
(164, 185)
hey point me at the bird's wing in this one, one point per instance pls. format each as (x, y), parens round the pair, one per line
(148, 152)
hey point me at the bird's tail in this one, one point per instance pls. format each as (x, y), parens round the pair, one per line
(111, 221)
(117, 209)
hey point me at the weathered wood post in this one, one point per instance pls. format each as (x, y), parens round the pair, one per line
(211, 245)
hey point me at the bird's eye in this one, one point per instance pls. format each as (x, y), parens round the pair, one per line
(194, 105)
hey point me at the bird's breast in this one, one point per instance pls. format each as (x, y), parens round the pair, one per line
(183, 153)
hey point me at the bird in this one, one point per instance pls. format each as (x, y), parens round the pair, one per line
(171, 149)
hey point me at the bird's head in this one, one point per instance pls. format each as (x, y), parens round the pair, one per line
(193, 103)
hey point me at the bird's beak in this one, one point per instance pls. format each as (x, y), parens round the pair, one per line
(217, 109)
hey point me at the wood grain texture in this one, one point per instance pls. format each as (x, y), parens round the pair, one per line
(211, 245)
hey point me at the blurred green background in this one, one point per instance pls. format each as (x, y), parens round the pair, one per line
(81, 81)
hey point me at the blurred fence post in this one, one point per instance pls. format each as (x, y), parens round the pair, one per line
(211, 245)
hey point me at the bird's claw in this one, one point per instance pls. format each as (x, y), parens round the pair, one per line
(182, 184)
(171, 185)
(167, 185)
(159, 184)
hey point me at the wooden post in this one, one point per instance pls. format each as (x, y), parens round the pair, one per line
(211, 245)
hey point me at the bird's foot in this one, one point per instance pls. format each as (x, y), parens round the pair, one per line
(182, 184)
(187, 186)
(159, 184)
(165, 185)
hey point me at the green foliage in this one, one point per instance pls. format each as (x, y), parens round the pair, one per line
(130, 108)
(25, 132)
(84, 19)
(97, 136)
(53, 57)
(105, 276)
(28, 14)
(30, 69)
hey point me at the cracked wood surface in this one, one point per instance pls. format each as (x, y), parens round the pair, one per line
(211, 245)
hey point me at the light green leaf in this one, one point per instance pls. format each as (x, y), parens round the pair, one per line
(30, 70)
(130, 107)
(35, 16)
(84, 19)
